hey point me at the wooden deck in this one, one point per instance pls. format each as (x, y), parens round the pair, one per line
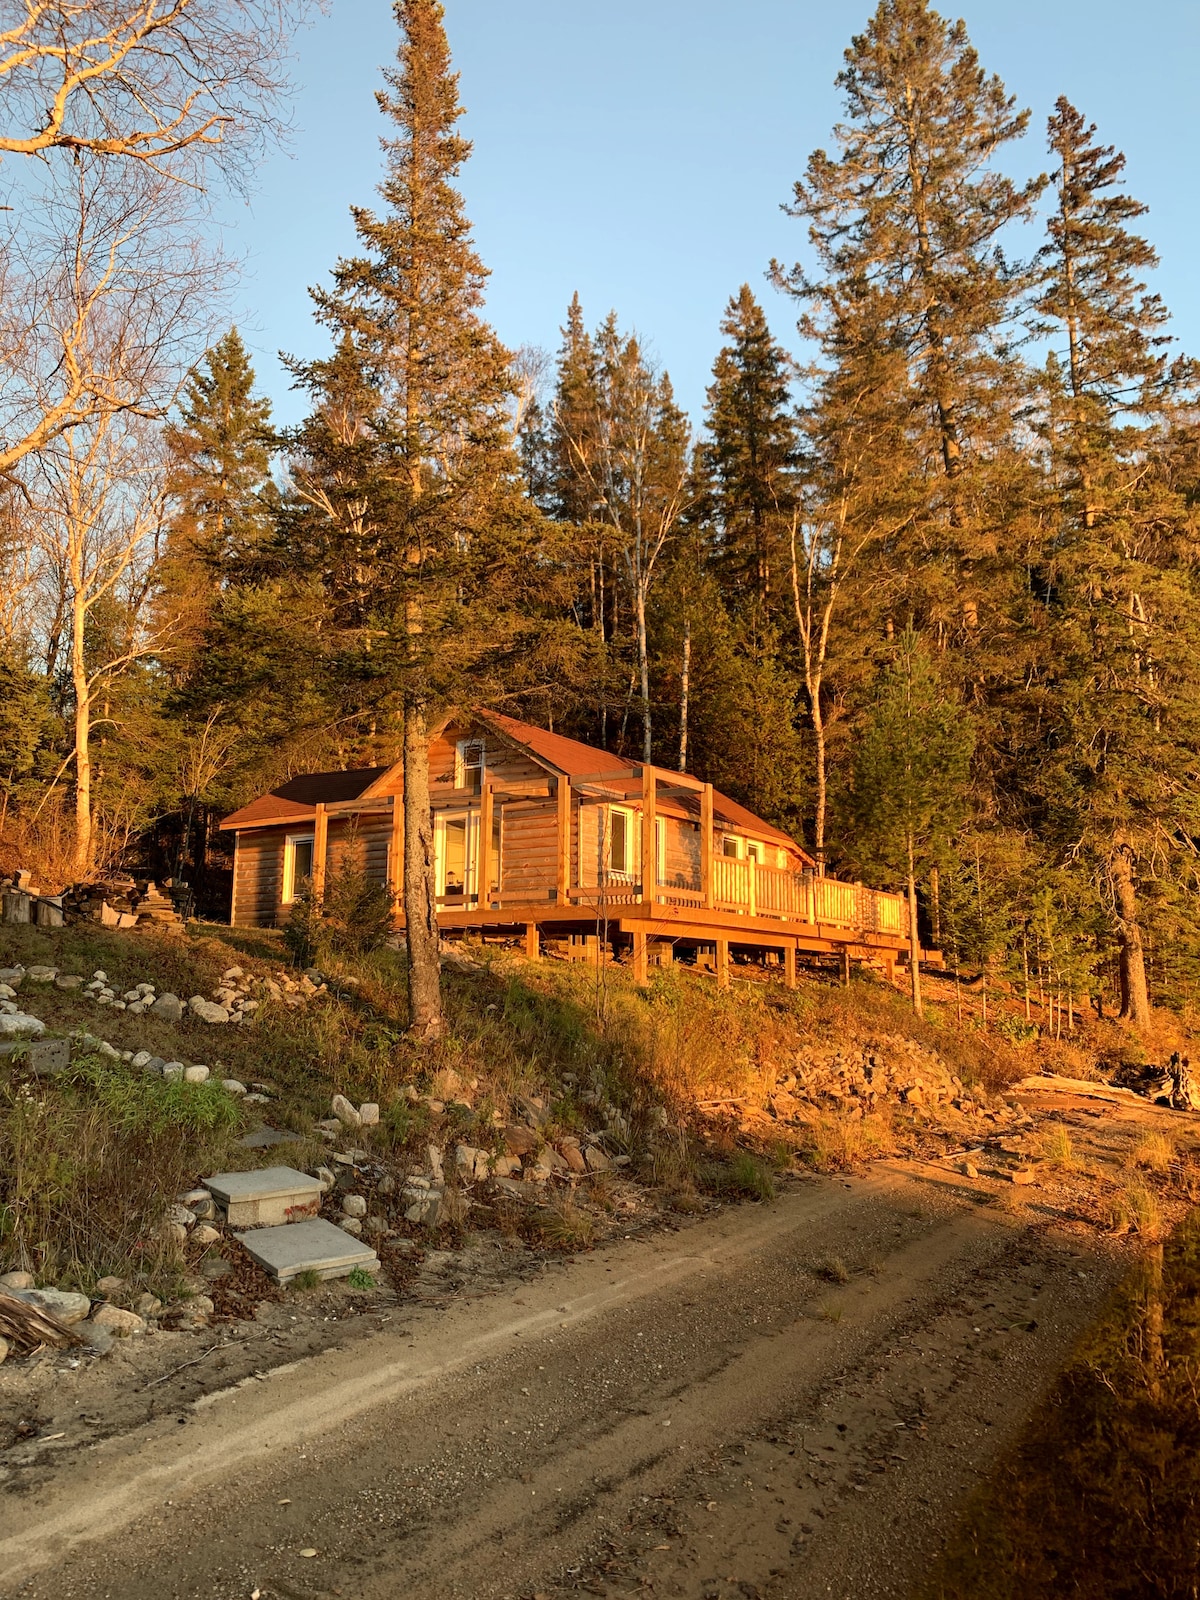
(727, 904)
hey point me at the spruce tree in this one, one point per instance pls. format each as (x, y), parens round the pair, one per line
(749, 456)
(911, 776)
(436, 452)
(1118, 774)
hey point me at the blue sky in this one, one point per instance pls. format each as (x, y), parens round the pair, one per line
(639, 151)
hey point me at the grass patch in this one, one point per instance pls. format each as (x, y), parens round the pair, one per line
(741, 1176)
(1155, 1152)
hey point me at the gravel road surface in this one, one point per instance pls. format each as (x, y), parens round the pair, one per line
(781, 1401)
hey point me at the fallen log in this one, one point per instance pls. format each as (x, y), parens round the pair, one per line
(27, 1327)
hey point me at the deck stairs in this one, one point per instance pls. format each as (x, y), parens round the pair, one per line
(278, 1207)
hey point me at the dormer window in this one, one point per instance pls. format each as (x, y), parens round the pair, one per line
(469, 764)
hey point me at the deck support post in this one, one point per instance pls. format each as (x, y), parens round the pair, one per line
(641, 969)
(789, 965)
(706, 846)
(722, 963)
(845, 955)
(320, 847)
(649, 835)
(564, 840)
(396, 850)
(533, 941)
(483, 855)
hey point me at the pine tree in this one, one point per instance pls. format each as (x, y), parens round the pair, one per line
(432, 421)
(749, 457)
(906, 220)
(1118, 774)
(911, 774)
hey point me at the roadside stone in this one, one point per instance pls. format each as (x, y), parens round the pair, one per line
(200, 1306)
(16, 1280)
(173, 1233)
(99, 1340)
(354, 1205)
(169, 1007)
(326, 1179)
(968, 1169)
(173, 1069)
(67, 1307)
(195, 1074)
(1023, 1175)
(3, 1351)
(68, 981)
(156, 1065)
(375, 1226)
(182, 1215)
(149, 1305)
(207, 1010)
(596, 1160)
(368, 1114)
(345, 1112)
(573, 1156)
(434, 1157)
(520, 1140)
(505, 1166)
(143, 1058)
(136, 1008)
(233, 1086)
(41, 974)
(7, 992)
(20, 1025)
(205, 1234)
(351, 1225)
(118, 1322)
(12, 975)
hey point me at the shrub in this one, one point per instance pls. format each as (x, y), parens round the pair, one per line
(742, 1177)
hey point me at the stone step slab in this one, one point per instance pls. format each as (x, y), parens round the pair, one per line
(269, 1198)
(314, 1246)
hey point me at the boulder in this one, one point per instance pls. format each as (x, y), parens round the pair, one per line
(596, 1160)
(345, 1112)
(233, 1086)
(520, 1140)
(16, 1280)
(368, 1114)
(205, 1234)
(118, 1322)
(195, 1075)
(19, 1025)
(61, 1304)
(169, 1007)
(354, 1205)
(207, 1010)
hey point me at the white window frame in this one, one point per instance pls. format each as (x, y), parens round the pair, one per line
(462, 766)
(756, 852)
(629, 872)
(739, 847)
(289, 862)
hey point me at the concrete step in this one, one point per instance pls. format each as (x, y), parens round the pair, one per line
(314, 1246)
(265, 1199)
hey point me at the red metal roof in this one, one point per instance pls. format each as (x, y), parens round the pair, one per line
(295, 801)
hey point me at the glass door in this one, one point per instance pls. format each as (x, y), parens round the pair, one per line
(455, 835)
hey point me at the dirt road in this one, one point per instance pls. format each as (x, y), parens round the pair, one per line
(787, 1400)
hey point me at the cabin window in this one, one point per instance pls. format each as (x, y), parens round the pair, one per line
(732, 847)
(469, 764)
(297, 864)
(620, 842)
(754, 851)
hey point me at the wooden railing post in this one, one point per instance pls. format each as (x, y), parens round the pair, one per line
(706, 846)
(483, 855)
(564, 840)
(320, 846)
(752, 886)
(649, 834)
(396, 850)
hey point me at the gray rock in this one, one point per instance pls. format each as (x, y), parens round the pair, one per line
(375, 1226)
(109, 1285)
(16, 1280)
(7, 992)
(108, 1050)
(596, 1160)
(205, 1234)
(351, 1225)
(345, 1112)
(354, 1205)
(12, 975)
(97, 1338)
(19, 1025)
(169, 1007)
(156, 1064)
(233, 1086)
(118, 1322)
(143, 1058)
(326, 1179)
(136, 1008)
(62, 1304)
(195, 1074)
(148, 1305)
(131, 995)
(181, 1214)
(368, 1114)
(173, 1069)
(41, 974)
(3, 1350)
(207, 1010)
(100, 976)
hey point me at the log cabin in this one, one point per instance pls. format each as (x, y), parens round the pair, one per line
(543, 837)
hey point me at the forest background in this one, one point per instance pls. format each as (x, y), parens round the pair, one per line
(920, 586)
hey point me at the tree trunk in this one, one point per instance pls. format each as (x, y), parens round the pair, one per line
(1135, 998)
(644, 674)
(83, 729)
(821, 805)
(684, 689)
(420, 883)
(914, 939)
